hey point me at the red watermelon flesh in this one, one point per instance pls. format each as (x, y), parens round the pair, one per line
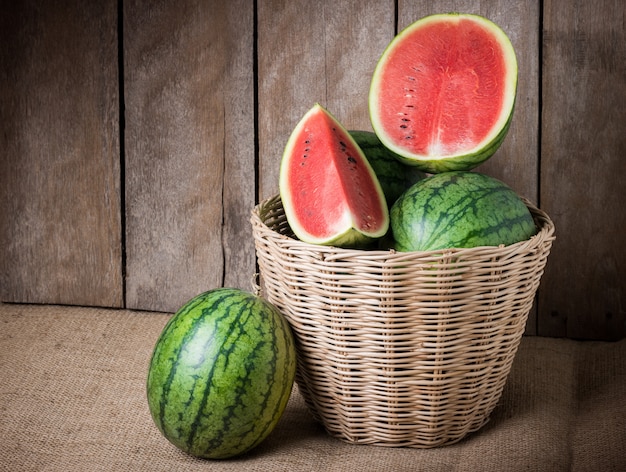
(329, 191)
(444, 90)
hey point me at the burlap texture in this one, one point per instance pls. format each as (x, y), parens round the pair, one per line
(72, 397)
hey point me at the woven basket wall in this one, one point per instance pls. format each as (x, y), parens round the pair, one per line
(400, 349)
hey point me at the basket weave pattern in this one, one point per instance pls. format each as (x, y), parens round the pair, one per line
(400, 349)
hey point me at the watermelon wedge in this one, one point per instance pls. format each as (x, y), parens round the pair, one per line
(443, 92)
(329, 191)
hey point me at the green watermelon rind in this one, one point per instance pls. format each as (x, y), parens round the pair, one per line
(459, 209)
(484, 150)
(221, 373)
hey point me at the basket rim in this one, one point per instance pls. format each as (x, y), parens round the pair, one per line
(264, 209)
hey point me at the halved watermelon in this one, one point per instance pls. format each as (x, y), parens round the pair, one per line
(443, 92)
(329, 191)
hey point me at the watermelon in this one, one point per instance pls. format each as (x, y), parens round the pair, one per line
(394, 176)
(221, 373)
(443, 92)
(459, 209)
(329, 191)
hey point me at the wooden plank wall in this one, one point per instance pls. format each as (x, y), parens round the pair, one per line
(60, 227)
(137, 136)
(190, 148)
(583, 161)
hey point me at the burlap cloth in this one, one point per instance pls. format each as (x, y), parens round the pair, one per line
(72, 397)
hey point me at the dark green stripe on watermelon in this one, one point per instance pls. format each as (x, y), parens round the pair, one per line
(221, 374)
(459, 210)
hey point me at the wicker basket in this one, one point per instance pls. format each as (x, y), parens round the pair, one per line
(400, 349)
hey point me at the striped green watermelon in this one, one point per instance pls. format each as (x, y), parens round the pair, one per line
(443, 92)
(221, 373)
(459, 209)
(394, 176)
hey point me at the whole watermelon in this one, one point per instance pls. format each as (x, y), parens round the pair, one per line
(459, 209)
(221, 373)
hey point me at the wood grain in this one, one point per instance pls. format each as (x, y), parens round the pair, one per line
(312, 52)
(583, 147)
(60, 226)
(189, 149)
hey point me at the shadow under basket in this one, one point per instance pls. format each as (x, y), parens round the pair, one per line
(400, 349)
